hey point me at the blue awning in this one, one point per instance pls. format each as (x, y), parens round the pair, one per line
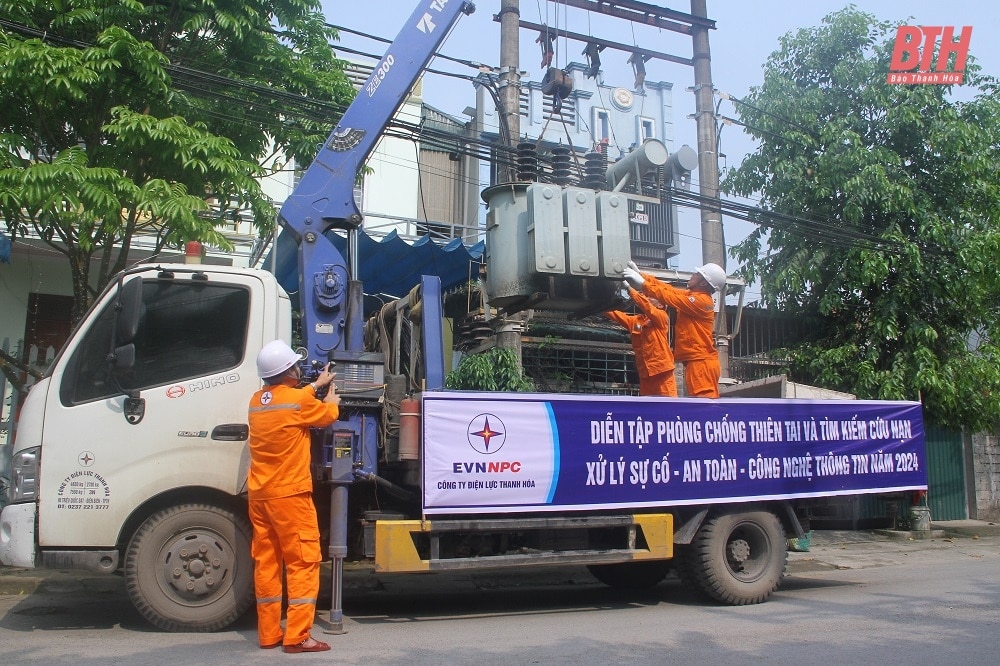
(4, 249)
(390, 265)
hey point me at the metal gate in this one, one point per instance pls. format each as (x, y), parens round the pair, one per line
(946, 494)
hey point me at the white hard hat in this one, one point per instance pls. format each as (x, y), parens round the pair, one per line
(714, 274)
(275, 357)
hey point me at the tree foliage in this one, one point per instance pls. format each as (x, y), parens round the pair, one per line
(496, 369)
(907, 307)
(124, 118)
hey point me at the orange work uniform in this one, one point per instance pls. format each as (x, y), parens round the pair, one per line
(653, 358)
(694, 343)
(285, 529)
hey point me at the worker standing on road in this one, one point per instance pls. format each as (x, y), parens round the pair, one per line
(650, 342)
(285, 528)
(694, 329)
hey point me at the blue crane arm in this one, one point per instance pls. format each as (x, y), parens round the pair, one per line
(329, 294)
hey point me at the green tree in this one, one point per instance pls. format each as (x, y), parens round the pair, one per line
(902, 284)
(496, 369)
(128, 117)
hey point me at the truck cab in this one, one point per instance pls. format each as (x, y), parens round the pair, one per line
(141, 419)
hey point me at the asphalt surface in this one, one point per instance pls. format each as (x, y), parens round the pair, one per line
(829, 549)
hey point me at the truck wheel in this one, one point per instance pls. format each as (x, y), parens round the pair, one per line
(739, 558)
(683, 566)
(188, 568)
(631, 575)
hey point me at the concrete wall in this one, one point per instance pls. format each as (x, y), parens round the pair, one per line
(778, 386)
(986, 473)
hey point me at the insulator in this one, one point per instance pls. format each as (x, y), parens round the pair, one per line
(527, 162)
(595, 167)
(561, 165)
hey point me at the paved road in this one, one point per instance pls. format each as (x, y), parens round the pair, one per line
(851, 600)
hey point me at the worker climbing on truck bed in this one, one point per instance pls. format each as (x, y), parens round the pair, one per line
(694, 342)
(650, 332)
(285, 528)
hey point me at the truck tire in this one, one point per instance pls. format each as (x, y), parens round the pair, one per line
(631, 575)
(188, 568)
(738, 558)
(683, 567)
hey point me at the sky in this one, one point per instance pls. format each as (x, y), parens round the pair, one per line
(747, 32)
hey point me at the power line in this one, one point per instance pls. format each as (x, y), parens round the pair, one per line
(736, 100)
(461, 61)
(836, 233)
(212, 86)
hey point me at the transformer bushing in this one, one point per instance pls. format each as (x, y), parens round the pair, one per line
(595, 167)
(561, 165)
(527, 162)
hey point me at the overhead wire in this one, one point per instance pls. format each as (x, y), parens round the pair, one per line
(837, 233)
(212, 85)
(834, 233)
(442, 56)
(736, 100)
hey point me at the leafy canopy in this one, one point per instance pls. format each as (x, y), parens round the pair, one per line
(913, 314)
(124, 118)
(496, 369)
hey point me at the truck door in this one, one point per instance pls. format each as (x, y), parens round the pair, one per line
(192, 375)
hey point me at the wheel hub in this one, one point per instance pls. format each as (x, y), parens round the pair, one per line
(739, 551)
(195, 566)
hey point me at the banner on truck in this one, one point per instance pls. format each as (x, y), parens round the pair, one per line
(525, 452)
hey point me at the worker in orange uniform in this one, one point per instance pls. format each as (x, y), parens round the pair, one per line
(650, 342)
(285, 528)
(694, 339)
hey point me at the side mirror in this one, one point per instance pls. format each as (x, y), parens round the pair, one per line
(128, 306)
(123, 360)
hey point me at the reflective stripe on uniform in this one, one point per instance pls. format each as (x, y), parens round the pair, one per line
(268, 600)
(293, 602)
(270, 408)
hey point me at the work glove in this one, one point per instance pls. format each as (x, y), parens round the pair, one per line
(633, 276)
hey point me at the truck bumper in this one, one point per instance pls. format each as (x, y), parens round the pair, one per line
(17, 535)
(641, 537)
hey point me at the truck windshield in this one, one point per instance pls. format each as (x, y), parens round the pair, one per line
(187, 330)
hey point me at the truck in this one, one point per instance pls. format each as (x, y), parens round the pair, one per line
(131, 453)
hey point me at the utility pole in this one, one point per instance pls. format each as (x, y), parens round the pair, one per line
(509, 335)
(510, 77)
(713, 244)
